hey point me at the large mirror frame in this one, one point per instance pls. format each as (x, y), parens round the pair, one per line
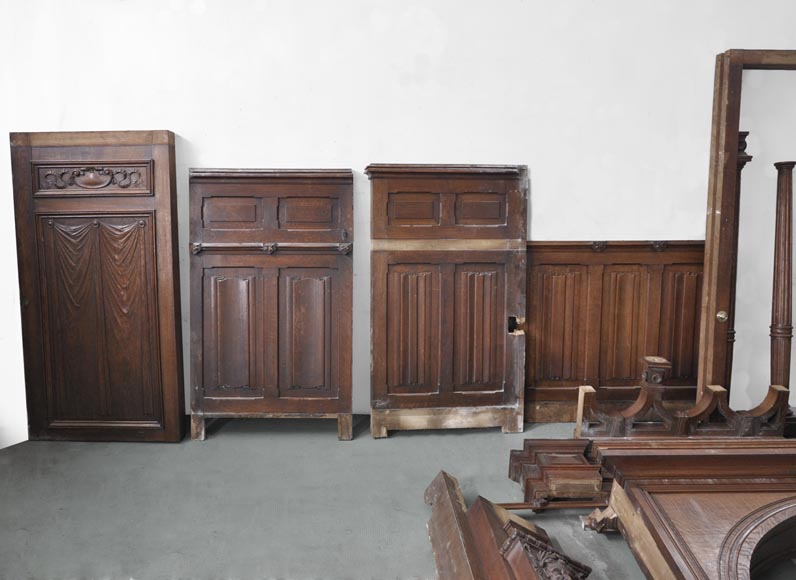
(721, 235)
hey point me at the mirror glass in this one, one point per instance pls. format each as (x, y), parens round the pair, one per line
(768, 112)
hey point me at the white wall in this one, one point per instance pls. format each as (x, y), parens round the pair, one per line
(608, 103)
(769, 114)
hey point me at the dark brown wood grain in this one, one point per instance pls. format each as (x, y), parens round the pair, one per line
(99, 284)
(595, 308)
(448, 296)
(271, 284)
(718, 302)
(782, 299)
(486, 541)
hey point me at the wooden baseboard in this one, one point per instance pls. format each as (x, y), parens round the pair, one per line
(382, 421)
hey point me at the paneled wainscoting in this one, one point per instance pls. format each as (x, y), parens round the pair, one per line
(595, 308)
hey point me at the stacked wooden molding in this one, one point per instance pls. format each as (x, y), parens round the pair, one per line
(487, 542)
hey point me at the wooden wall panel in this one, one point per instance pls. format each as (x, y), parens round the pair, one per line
(413, 338)
(306, 317)
(594, 309)
(625, 316)
(271, 288)
(479, 322)
(680, 310)
(232, 333)
(448, 296)
(557, 351)
(96, 231)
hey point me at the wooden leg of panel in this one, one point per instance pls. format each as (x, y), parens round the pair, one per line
(345, 427)
(377, 429)
(197, 427)
(514, 423)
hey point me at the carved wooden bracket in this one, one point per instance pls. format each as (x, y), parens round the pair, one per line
(650, 416)
(488, 542)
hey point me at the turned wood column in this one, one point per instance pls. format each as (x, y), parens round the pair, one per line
(743, 159)
(782, 299)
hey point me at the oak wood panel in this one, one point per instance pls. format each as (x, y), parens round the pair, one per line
(307, 365)
(271, 283)
(448, 296)
(594, 309)
(414, 309)
(96, 237)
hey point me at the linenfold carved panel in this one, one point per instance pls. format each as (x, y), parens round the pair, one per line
(479, 336)
(413, 322)
(98, 179)
(98, 280)
(448, 296)
(559, 301)
(680, 310)
(625, 290)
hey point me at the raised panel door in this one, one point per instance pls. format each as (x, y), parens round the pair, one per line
(307, 321)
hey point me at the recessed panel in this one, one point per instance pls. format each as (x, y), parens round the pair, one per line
(481, 209)
(413, 209)
(306, 323)
(413, 328)
(308, 213)
(92, 179)
(232, 213)
(478, 327)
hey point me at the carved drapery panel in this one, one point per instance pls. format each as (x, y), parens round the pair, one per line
(99, 294)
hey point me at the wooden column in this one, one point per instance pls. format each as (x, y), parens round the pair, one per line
(782, 299)
(743, 159)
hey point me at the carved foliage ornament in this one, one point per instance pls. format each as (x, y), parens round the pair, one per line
(131, 177)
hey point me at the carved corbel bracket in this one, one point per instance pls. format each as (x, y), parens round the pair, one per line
(649, 416)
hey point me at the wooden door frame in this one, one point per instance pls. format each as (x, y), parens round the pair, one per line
(722, 224)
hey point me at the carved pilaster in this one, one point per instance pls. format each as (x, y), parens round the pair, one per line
(743, 159)
(782, 296)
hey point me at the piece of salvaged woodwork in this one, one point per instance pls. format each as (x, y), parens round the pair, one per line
(96, 225)
(488, 542)
(271, 295)
(448, 267)
(782, 299)
(743, 490)
(650, 416)
(595, 308)
(718, 301)
(556, 474)
(743, 159)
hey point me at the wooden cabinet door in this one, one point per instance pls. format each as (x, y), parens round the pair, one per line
(96, 230)
(273, 337)
(441, 336)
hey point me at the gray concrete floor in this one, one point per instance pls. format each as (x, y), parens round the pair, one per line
(259, 499)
